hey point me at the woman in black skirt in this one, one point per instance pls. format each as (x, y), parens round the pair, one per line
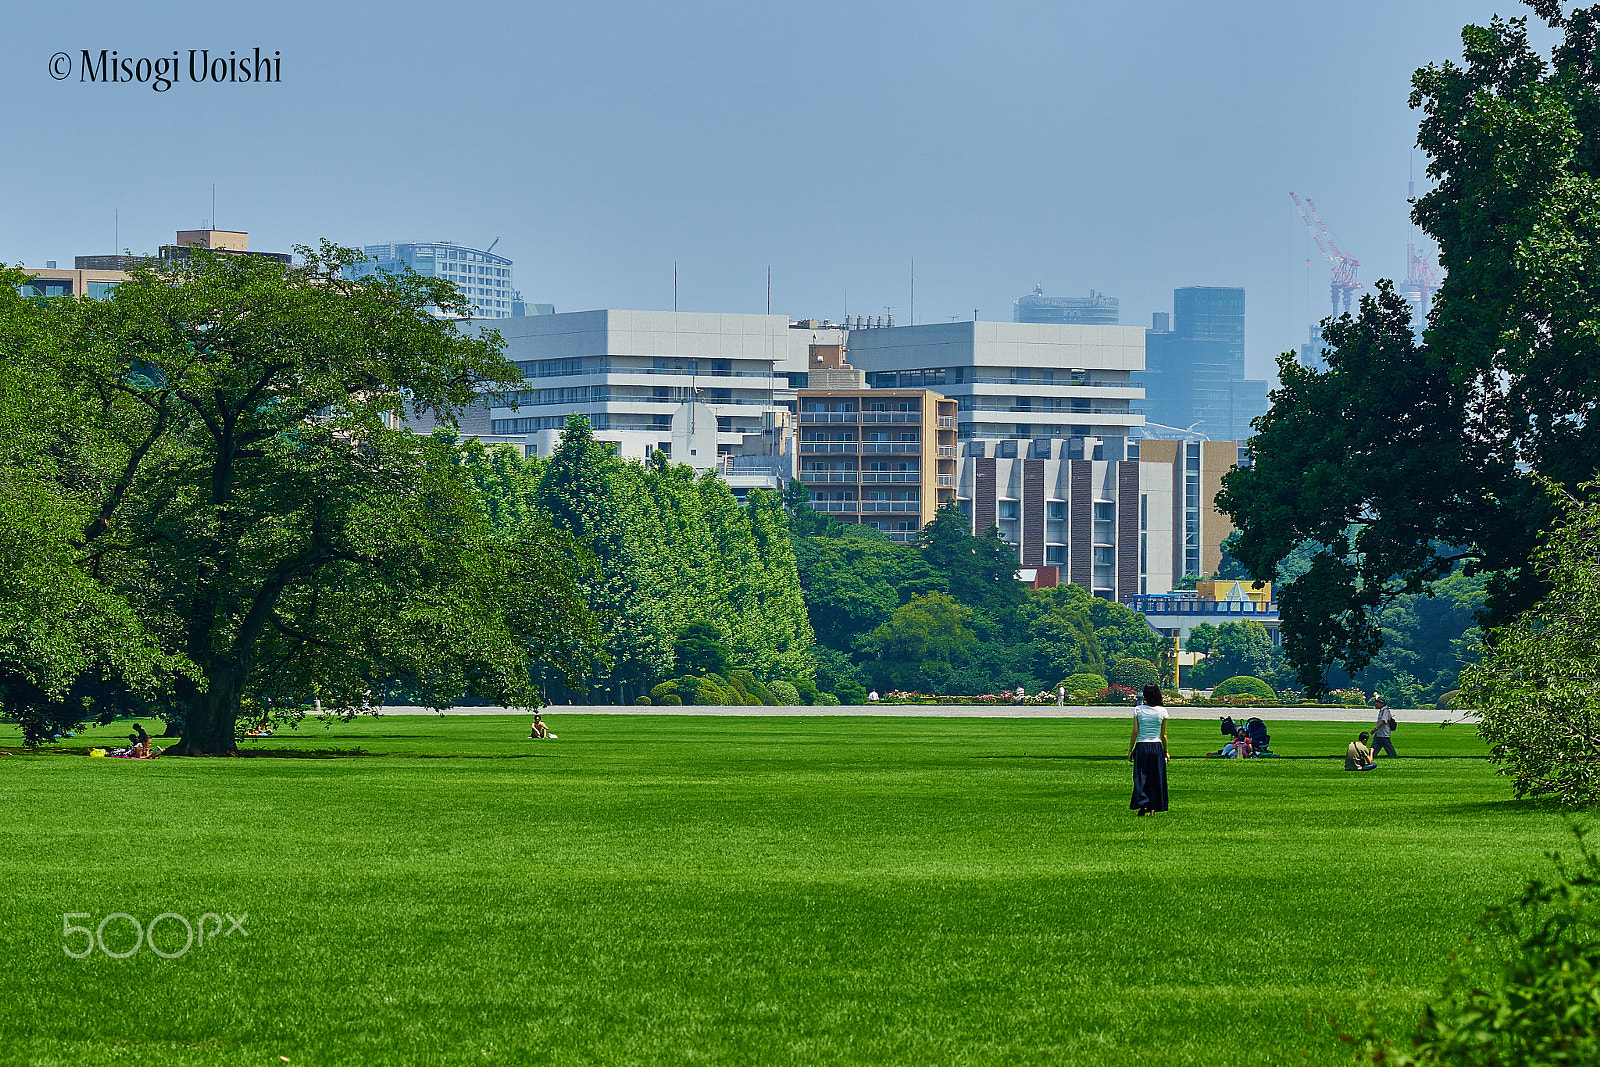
(1147, 751)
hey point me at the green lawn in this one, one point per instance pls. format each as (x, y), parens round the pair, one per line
(670, 890)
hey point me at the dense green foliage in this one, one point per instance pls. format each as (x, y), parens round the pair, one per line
(239, 498)
(948, 615)
(742, 891)
(1538, 686)
(687, 580)
(1431, 453)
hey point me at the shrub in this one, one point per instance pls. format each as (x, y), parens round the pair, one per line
(806, 688)
(827, 700)
(1083, 683)
(665, 689)
(1120, 694)
(749, 686)
(641, 699)
(785, 693)
(1247, 686)
(670, 700)
(1134, 673)
(1448, 700)
(852, 693)
(1532, 1001)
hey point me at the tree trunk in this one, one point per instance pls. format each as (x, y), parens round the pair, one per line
(209, 717)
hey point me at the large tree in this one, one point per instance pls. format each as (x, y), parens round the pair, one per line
(255, 504)
(1403, 461)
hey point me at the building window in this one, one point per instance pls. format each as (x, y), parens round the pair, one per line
(1056, 509)
(1008, 509)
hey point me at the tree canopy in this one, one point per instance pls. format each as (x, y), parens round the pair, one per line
(251, 504)
(1402, 461)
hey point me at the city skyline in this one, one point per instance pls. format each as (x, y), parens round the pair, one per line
(1079, 148)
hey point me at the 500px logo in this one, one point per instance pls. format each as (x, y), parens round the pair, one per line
(145, 936)
(163, 73)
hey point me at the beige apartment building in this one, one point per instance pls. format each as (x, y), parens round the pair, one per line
(884, 458)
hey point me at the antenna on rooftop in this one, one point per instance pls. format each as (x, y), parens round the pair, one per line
(496, 241)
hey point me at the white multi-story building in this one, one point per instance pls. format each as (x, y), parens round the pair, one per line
(1015, 380)
(483, 277)
(628, 372)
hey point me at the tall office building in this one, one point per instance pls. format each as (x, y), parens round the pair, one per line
(1011, 379)
(483, 277)
(1096, 309)
(628, 372)
(1194, 372)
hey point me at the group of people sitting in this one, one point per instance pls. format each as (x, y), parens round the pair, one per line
(1248, 741)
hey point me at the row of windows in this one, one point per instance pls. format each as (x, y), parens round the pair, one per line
(872, 405)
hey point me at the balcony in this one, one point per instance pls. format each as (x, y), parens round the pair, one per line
(947, 451)
(834, 506)
(904, 448)
(947, 481)
(829, 476)
(815, 417)
(947, 422)
(912, 477)
(902, 537)
(828, 446)
(891, 416)
(910, 507)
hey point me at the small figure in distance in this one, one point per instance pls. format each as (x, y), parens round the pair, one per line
(260, 729)
(1243, 747)
(540, 732)
(140, 742)
(872, 697)
(1380, 733)
(1358, 757)
(1147, 751)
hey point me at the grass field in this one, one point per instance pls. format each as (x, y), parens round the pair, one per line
(677, 890)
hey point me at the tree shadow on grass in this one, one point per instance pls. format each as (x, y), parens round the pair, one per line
(1527, 805)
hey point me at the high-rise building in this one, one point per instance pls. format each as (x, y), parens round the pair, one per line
(96, 276)
(483, 277)
(1194, 373)
(1014, 380)
(1096, 309)
(628, 372)
(885, 458)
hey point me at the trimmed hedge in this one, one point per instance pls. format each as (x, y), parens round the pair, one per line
(1084, 683)
(1245, 685)
(1134, 673)
(784, 692)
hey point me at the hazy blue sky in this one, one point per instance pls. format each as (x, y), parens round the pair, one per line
(1125, 147)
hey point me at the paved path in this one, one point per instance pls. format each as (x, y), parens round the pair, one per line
(957, 711)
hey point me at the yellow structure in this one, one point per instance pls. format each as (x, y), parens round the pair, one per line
(1229, 589)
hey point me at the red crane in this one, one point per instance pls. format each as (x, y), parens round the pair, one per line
(1344, 266)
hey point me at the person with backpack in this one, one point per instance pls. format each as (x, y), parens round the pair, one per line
(1380, 733)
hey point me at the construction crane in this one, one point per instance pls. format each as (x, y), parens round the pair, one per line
(1344, 266)
(1422, 277)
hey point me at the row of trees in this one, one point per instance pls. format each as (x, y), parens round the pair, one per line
(675, 556)
(948, 615)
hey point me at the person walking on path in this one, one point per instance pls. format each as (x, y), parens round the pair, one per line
(1358, 757)
(1380, 733)
(1147, 751)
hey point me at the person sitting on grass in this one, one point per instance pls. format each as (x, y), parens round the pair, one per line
(1243, 747)
(1358, 757)
(540, 732)
(139, 742)
(260, 729)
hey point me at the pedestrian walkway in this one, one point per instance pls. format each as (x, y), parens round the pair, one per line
(964, 711)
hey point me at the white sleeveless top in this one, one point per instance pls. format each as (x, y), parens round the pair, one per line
(1149, 720)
